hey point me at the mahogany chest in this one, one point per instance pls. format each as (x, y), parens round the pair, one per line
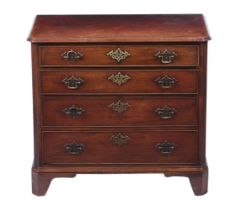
(119, 94)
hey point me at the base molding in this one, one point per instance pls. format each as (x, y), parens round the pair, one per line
(42, 176)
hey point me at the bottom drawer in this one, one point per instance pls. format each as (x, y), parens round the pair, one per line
(121, 147)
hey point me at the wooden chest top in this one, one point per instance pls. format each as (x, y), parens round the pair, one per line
(119, 28)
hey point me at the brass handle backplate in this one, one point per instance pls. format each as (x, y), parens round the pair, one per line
(71, 55)
(165, 112)
(166, 81)
(166, 56)
(119, 78)
(74, 148)
(119, 106)
(118, 54)
(166, 147)
(73, 82)
(119, 139)
(74, 111)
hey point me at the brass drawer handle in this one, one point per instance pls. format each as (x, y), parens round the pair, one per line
(71, 55)
(73, 82)
(166, 147)
(165, 112)
(118, 55)
(74, 148)
(74, 111)
(119, 78)
(166, 81)
(166, 56)
(119, 139)
(119, 106)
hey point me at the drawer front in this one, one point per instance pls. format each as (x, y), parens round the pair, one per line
(119, 55)
(118, 110)
(106, 147)
(113, 81)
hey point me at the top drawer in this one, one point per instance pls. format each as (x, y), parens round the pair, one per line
(120, 55)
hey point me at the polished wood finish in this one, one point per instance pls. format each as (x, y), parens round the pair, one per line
(41, 181)
(140, 82)
(140, 55)
(199, 182)
(140, 148)
(141, 111)
(198, 179)
(159, 122)
(118, 28)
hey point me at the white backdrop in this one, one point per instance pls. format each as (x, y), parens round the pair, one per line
(143, 191)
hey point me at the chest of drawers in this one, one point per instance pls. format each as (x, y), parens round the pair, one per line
(119, 94)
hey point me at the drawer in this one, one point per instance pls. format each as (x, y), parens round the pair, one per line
(120, 55)
(124, 81)
(118, 110)
(109, 147)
